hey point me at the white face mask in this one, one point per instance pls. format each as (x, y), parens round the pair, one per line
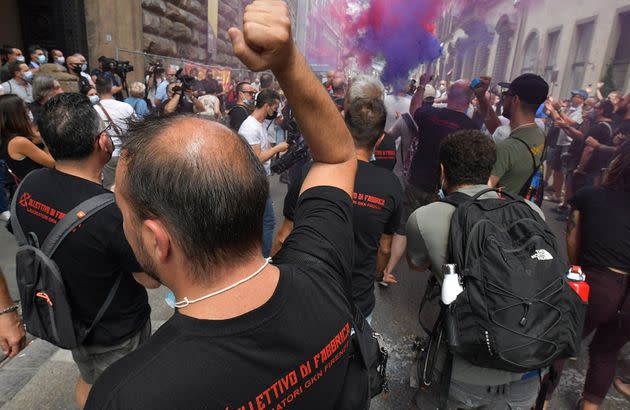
(60, 60)
(94, 99)
(21, 59)
(30, 116)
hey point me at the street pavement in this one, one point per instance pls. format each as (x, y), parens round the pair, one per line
(42, 376)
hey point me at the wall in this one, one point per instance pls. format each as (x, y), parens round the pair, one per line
(10, 30)
(115, 24)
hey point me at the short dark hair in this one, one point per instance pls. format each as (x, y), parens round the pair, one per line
(212, 205)
(266, 96)
(468, 157)
(607, 107)
(103, 85)
(32, 49)
(365, 118)
(14, 67)
(239, 86)
(69, 125)
(266, 80)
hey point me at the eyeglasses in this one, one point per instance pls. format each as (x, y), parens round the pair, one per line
(104, 130)
(508, 93)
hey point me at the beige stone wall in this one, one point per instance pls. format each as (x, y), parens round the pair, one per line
(179, 28)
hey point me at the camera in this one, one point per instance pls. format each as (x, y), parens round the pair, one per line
(119, 67)
(187, 81)
(156, 68)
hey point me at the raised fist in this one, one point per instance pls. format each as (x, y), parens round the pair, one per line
(265, 42)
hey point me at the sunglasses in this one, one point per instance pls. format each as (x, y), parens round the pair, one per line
(249, 92)
(508, 93)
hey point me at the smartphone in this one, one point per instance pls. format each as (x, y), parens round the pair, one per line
(475, 83)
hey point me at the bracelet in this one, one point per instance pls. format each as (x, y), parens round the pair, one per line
(10, 309)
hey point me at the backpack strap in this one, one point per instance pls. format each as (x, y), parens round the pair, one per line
(74, 218)
(18, 232)
(411, 124)
(115, 126)
(526, 185)
(456, 199)
(105, 306)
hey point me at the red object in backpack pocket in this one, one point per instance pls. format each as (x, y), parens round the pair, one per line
(577, 281)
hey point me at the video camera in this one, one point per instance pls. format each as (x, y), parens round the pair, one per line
(119, 67)
(155, 68)
(187, 82)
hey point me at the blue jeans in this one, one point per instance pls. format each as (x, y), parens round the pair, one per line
(269, 224)
(4, 206)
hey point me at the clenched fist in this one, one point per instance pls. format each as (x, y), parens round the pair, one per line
(265, 42)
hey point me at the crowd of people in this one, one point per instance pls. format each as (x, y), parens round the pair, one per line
(190, 162)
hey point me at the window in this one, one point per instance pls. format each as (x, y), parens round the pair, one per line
(584, 35)
(552, 52)
(621, 62)
(530, 56)
(506, 32)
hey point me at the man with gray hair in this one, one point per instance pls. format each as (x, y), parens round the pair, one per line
(377, 199)
(44, 88)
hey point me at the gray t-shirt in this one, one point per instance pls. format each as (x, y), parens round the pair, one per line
(427, 241)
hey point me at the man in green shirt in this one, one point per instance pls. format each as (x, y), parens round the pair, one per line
(520, 154)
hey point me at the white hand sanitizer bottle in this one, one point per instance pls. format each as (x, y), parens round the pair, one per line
(450, 285)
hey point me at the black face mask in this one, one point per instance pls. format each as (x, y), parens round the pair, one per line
(272, 116)
(77, 68)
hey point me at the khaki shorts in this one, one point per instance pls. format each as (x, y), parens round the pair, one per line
(93, 360)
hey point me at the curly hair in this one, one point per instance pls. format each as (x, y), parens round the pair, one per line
(468, 157)
(618, 176)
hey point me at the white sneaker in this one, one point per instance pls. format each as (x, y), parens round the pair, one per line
(4, 216)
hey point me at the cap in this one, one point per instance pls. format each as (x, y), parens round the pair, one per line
(581, 93)
(429, 91)
(531, 88)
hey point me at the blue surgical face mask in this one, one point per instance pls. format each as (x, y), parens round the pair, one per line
(41, 59)
(84, 68)
(94, 99)
(246, 101)
(28, 76)
(60, 60)
(170, 299)
(441, 194)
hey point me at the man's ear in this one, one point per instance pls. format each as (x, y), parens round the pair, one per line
(102, 141)
(156, 240)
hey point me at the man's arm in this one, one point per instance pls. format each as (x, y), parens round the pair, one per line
(171, 106)
(384, 252)
(574, 236)
(266, 155)
(266, 43)
(281, 236)
(489, 116)
(418, 96)
(12, 334)
(493, 181)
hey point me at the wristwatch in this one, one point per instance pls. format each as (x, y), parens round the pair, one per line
(10, 309)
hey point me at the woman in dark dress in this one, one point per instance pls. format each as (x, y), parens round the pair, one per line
(20, 142)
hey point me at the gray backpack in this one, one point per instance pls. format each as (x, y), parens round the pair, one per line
(46, 309)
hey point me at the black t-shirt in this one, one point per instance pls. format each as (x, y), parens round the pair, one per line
(291, 350)
(20, 168)
(434, 124)
(238, 114)
(385, 153)
(91, 258)
(602, 132)
(377, 209)
(605, 227)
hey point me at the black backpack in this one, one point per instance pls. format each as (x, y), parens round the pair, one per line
(517, 312)
(46, 309)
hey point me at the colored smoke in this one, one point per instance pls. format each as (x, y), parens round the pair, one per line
(402, 32)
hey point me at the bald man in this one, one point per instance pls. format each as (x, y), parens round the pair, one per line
(246, 332)
(77, 66)
(434, 124)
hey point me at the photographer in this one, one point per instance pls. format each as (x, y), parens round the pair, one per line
(106, 69)
(154, 77)
(181, 100)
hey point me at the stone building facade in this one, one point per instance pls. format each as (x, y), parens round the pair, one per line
(571, 48)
